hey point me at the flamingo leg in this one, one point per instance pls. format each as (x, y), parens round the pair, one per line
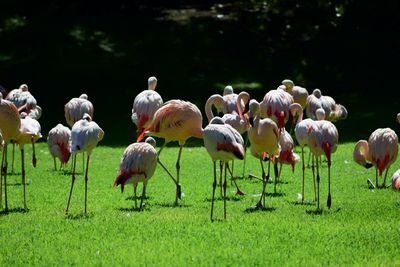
(303, 178)
(313, 173)
(231, 171)
(134, 194)
(226, 166)
(143, 194)
(245, 149)
(265, 180)
(384, 180)
(33, 153)
(1, 176)
(178, 167)
(23, 176)
(221, 171)
(329, 201)
(4, 169)
(214, 185)
(55, 164)
(86, 181)
(318, 179)
(72, 184)
(238, 191)
(12, 158)
(376, 177)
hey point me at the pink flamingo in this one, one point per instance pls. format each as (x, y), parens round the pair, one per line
(332, 110)
(145, 105)
(264, 138)
(275, 105)
(396, 180)
(323, 140)
(176, 120)
(223, 143)
(85, 135)
(59, 144)
(380, 151)
(30, 133)
(287, 156)
(23, 100)
(138, 164)
(299, 93)
(76, 108)
(10, 124)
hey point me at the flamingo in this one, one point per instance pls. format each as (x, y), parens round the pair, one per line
(324, 140)
(10, 124)
(380, 151)
(264, 138)
(302, 132)
(286, 156)
(25, 102)
(299, 93)
(333, 111)
(223, 143)
(30, 133)
(230, 100)
(76, 108)
(138, 164)
(59, 144)
(275, 105)
(145, 105)
(396, 180)
(85, 135)
(176, 120)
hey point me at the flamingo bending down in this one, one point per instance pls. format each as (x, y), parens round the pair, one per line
(299, 93)
(287, 156)
(59, 144)
(10, 124)
(76, 108)
(332, 110)
(85, 135)
(323, 140)
(380, 151)
(223, 143)
(138, 164)
(264, 138)
(275, 105)
(145, 105)
(176, 120)
(396, 180)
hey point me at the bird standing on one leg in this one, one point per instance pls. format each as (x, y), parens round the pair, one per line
(59, 144)
(85, 135)
(176, 120)
(138, 164)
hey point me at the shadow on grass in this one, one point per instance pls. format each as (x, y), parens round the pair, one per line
(80, 216)
(232, 198)
(172, 205)
(259, 209)
(137, 198)
(305, 203)
(133, 209)
(275, 194)
(14, 210)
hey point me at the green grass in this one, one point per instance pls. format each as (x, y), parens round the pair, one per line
(361, 228)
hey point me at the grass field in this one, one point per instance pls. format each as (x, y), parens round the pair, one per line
(361, 228)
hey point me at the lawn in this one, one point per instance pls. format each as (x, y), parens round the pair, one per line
(361, 228)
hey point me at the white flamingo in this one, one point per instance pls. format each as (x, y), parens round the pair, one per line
(333, 111)
(59, 144)
(146, 103)
(323, 141)
(85, 135)
(30, 133)
(380, 151)
(223, 143)
(10, 124)
(76, 108)
(299, 93)
(138, 164)
(264, 138)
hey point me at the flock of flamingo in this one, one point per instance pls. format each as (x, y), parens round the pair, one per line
(262, 123)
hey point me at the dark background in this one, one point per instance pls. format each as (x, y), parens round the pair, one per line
(348, 49)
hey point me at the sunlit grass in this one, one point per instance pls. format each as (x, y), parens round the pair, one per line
(361, 228)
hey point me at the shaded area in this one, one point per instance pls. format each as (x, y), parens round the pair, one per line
(62, 49)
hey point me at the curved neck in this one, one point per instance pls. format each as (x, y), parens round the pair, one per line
(360, 154)
(244, 98)
(296, 108)
(213, 100)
